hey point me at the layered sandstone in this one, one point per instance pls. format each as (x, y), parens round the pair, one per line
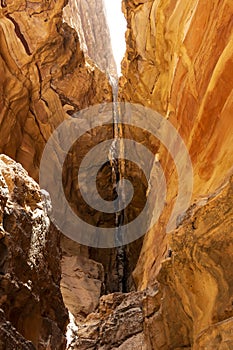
(191, 307)
(43, 77)
(179, 63)
(89, 20)
(30, 296)
(196, 281)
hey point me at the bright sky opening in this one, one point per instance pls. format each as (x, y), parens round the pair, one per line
(117, 26)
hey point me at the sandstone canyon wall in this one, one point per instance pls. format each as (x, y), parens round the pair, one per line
(40, 55)
(179, 62)
(89, 20)
(31, 300)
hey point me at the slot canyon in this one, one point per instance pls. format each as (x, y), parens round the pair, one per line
(163, 289)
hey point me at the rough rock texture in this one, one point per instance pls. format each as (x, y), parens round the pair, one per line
(179, 62)
(88, 273)
(43, 75)
(30, 265)
(82, 279)
(118, 323)
(191, 307)
(196, 282)
(10, 338)
(87, 17)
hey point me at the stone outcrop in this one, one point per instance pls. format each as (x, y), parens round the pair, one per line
(30, 296)
(118, 324)
(43, 76)
(178, 62)
(87, 17)
(191, 307)
(10, 338)
(196, 281)
(82, 279)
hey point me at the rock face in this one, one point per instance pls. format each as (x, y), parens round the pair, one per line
(87, 17)
(82, 279)
(44, 78)
(118, 324)
(39, 58)
(196, 281)
(30, 296)
(10, 338)
(191, 307)
(178, 62)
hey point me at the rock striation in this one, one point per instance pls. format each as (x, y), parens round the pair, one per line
(10, 338)
(117, 324)
(89, 20)
(191, 305)
(39, 57)
(196, 281)
(44, 78)
(30, 297)
(178, 62)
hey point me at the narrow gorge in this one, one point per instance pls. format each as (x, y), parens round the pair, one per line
(164, 289)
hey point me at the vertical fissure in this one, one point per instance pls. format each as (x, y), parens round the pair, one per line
(79, 14)
(116, 152)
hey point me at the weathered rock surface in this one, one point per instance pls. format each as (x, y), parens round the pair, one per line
(118, 324)
(191, 307)
(82, 279)
(87, 17)
(10, 338)
(196, 281)
(179, 63)
(43, 75)
(30, 265)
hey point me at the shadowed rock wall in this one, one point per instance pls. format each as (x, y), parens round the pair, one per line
(30, 272)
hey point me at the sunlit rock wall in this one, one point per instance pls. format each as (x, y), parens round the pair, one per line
(179, 63)
(88, 18)
(43, 76)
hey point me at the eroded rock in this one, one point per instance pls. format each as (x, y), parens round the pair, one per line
(43, 78)
(178, 62)
(118, 324)
(196, 281)
(30, 264)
